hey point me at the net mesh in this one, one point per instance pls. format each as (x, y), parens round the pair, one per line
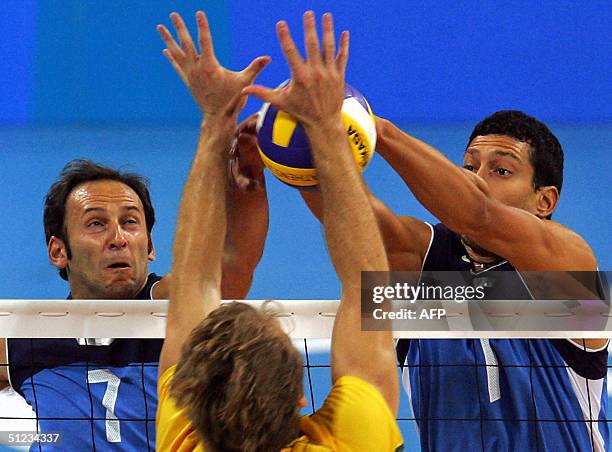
(91, 391)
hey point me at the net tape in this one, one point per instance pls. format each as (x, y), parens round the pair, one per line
(300, 319)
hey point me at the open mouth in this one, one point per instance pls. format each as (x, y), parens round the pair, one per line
(119, 265)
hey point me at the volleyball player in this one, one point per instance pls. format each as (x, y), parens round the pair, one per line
(98, 226)
(230, 378)
(495, 214)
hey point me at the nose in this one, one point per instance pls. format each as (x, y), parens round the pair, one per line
(482, 171)
(117, 239)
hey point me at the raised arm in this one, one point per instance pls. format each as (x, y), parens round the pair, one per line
(406, 238)
(195, 289)
(314, 96)
(247, 217)
(246, 208)
(464, 202)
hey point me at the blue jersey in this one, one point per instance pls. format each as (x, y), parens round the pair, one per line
(502, 394)
(101, 394)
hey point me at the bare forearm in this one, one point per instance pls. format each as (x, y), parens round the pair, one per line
(313, 202)
(202, 222)
(247, 227)
(352, 234)
(454, 195)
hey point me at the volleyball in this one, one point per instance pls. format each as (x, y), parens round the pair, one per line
(284, 147)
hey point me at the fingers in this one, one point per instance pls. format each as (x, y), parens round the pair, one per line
(288, 46)
(247, 141)
(262, 93)
(310, 37)
(248, 126)
(177, 53)
(329, 41)
(247, 148)
(254, 69)
(343, 51)
(176, 66)
(246, 166)
(184, 36)
(204, 38)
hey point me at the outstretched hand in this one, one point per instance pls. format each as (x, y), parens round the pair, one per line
(216, 90)
(316, 90)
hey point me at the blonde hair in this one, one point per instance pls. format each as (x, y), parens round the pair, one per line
(240, 379)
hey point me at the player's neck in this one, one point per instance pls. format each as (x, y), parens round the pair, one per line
(480, 258)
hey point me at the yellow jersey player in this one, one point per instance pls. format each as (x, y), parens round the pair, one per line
(230, 378)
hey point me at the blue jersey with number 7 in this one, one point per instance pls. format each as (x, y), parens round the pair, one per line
(99, 394)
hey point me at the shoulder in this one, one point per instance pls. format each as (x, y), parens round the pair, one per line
(356, 416)
(173, 430)
(530, 243)
(164, 381)
(357, 392)
(151, 288)
(569, 241)
(159, 287)
(559, 248)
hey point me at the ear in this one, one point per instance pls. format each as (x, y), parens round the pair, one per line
(56, 250)
(151, 255)
(302, 403)
(547, 200)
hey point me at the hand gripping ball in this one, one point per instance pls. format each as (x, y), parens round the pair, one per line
(285, 150)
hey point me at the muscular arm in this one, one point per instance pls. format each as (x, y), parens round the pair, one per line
(314, 97)
(195, 287)
(462, 201)
(247, 227)
(196, 278)
(406, 239)
(247, 218)
(355, 245)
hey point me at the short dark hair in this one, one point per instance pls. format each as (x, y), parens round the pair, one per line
(75, 173)
(546, 154)
(240, 380)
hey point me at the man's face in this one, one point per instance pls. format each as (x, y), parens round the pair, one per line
(504, 163)
(107, 233)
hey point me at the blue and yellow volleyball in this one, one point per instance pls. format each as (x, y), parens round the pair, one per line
(285, 150)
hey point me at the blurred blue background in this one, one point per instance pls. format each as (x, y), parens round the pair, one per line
(87, 79)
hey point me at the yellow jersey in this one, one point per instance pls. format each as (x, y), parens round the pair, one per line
(354, 417)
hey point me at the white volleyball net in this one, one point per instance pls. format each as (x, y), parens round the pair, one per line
(88, 371)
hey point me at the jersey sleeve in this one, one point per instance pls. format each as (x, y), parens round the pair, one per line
(354, 417)
(174, 430)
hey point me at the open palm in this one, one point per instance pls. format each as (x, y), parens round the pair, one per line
(216, 90)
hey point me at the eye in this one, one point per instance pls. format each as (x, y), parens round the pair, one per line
(469, 168)
(94, 224)
(503, 172)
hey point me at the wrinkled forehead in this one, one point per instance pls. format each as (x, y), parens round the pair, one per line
(501, 145)
(102, 194)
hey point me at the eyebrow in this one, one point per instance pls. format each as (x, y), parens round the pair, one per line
(93, 209)
(101, 209)
(131, 208)
(507, 154)
(498, 153)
